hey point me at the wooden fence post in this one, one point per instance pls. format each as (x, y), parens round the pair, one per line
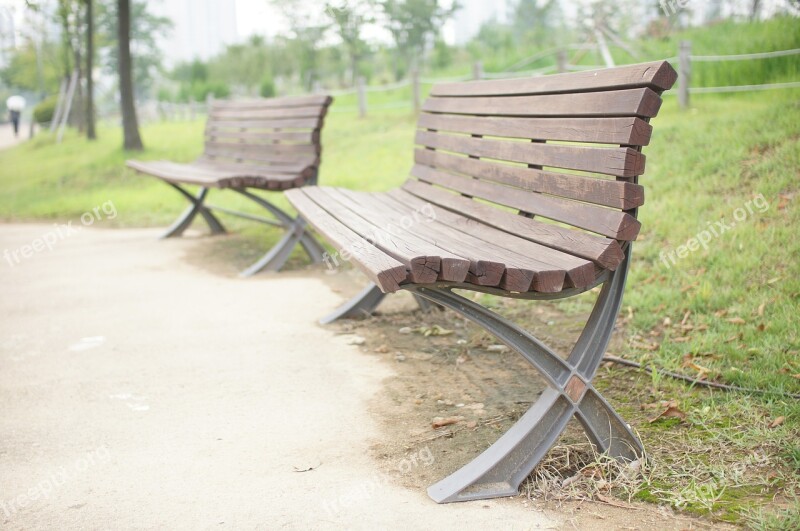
(209, 102)
(561, 59)
(477, 70)
(415, 89)
(684, 73)
(362, 97)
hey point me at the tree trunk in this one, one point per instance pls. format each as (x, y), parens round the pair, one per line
(91, 134)
(130, 125)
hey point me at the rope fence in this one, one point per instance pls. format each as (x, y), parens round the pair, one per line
(683, 60)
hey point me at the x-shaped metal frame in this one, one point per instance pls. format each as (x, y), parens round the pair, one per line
(501, 468)
(275, 258)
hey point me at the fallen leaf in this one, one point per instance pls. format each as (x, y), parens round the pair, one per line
(796, 376)
(736, 320)
(497, 348)
(434, 330)
(761, 309)
(777, 422)
(383, 349)
(440, 422)
(306, 469)
(671, 411)
(682, 339)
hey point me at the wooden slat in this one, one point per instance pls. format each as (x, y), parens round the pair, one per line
(658, 75)
(627, 130)
(259, 123)
(580, 272)
(484, 270)
(272, 103)
(264, 114)
(209, 175)
(425, 263)
(289, 150)
(523, 272)
(290, 159)
(386, 272)
(300, 137)
(611, 223)
(621, 162)
(604, 251)
(634, 102)
(615, 194)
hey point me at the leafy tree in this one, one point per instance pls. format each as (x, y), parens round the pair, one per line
(307, 32)
(413, 24)
(145, 30)
(349, 18)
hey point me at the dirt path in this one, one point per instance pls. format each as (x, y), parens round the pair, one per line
(142, 391)
(7, 138)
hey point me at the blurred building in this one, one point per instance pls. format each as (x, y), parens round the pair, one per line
(202, 28)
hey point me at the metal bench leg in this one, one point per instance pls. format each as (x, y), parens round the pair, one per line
(365, 303)
(362, 305)
(500, 469)
(185, 219)
(296, 233)
(425, 305)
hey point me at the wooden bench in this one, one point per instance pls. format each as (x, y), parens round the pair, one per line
(268, 144)
(530, 190)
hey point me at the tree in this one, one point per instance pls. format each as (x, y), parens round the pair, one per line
(349, 18)
(308, 31)
(130, 125)
(413, 24)
(91, 134)
(146, 29)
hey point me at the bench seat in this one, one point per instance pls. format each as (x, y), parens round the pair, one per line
(398, 238)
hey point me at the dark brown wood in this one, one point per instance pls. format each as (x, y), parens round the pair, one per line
(266, 114)
(615, 194)
(265, 137)
(522, 272)
(621, 162)
(386, 272)
(272, 103)
(604, 251)
(658, 75)
(627, 130)
(580, 272)
(426, 264)
(608, 222)
(641, 102)
(282, 123)
(484, 269)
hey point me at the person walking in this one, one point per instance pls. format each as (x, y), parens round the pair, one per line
(15, 106)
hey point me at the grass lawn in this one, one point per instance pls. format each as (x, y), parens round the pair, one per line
(725, 310)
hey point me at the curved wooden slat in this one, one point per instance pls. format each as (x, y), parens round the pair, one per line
(657, 75)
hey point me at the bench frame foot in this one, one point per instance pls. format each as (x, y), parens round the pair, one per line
(501, 468)
(367, 301)
(185, 219)
(275, 258)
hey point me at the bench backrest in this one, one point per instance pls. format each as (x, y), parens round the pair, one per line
(563, 149)
(280, 135)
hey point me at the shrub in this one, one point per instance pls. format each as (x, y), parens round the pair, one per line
(267, 89)
(44, 110)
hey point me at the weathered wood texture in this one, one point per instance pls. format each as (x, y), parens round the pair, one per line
(527, 184)
(273, 144)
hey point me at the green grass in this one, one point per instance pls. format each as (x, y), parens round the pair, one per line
(730, 309)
